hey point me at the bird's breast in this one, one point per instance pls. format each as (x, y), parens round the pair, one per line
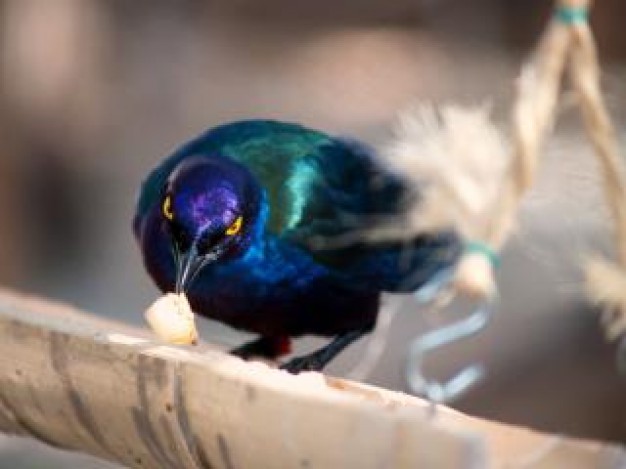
(266, 285)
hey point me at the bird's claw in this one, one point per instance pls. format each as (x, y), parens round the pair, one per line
(243, 352)
(269, 348)
(305, 363)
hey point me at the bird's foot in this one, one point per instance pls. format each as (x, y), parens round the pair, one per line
(312, 362)
(317, 360)
(264, 347)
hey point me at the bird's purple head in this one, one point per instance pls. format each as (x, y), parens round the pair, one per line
(209, 206)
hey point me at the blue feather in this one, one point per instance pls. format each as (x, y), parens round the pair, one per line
(297, 190)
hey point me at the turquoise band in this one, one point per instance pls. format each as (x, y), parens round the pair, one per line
(482, 248)
(571, 15)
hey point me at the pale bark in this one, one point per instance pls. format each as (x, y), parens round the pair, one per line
(78, 382)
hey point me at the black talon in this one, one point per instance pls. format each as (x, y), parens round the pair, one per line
(317, 360)
(263, 347)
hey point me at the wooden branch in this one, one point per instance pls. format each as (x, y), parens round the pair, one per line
(79, 382)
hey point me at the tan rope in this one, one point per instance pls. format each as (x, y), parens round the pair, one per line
(606, 280)
(586, 76)
(567, 43)
(532, 117)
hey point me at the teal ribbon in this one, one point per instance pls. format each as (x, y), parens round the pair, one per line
(483, 249)
(571, 15)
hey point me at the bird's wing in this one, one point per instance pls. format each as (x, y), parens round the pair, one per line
(320, 190)
(346, 194)
(308, 176)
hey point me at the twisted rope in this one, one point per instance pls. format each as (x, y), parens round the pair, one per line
(568, 42)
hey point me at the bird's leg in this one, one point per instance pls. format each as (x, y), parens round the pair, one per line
(264, 347)
(317, 360)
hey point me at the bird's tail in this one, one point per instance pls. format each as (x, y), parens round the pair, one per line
(402, 266)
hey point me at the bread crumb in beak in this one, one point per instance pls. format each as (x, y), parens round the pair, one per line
(171, 318)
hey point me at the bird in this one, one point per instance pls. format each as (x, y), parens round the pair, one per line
(258, 222)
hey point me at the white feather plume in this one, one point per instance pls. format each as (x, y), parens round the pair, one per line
(456, 158)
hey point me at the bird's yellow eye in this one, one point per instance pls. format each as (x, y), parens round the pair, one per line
(167, 208)
(235, 227)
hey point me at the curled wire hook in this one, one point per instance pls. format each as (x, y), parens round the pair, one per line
(435, 391)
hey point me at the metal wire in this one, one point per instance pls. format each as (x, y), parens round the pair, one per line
(435, 391)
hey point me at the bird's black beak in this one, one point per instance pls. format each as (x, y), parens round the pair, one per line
(188, 264)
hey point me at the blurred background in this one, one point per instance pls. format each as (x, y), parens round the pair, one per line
(94, 93)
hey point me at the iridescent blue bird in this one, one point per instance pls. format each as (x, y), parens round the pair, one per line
(245, 217)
